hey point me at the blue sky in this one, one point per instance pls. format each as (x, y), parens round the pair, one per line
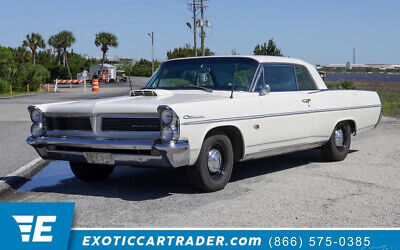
(319, 32)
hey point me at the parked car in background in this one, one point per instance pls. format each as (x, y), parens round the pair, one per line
(206, 114)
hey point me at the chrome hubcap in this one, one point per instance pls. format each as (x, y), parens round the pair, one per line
(339, 140)
(214, 161)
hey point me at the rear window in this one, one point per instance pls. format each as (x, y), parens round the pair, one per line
(303, 79)
(280, 77)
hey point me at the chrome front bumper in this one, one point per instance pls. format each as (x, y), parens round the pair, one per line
(145, 153)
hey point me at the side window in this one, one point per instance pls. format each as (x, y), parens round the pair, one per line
(280, 77)
(304, 80)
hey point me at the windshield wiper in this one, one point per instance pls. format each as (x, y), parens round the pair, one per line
(192, 86)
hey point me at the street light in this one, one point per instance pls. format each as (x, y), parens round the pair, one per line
(151, 35)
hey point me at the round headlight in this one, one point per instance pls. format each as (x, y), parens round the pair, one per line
(167, 134)
(37, 130)
(36, 115)
(166, 116)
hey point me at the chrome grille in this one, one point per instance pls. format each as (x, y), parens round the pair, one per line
(68, 123)
(130, 124)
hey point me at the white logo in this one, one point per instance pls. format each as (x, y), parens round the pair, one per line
(25, 223)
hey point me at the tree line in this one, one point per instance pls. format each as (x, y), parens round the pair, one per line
(36, 61)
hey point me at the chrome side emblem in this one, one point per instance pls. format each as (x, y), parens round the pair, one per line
(193, 116)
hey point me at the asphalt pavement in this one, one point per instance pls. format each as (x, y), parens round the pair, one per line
(293, 190)
(15, 123)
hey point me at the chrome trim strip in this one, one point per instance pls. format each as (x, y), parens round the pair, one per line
(282, 150)
(238, 118)
(92, 143)
(176, 154)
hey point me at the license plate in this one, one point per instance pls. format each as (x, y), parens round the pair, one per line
(99, 158)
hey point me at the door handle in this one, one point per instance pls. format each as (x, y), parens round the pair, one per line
(306, 101)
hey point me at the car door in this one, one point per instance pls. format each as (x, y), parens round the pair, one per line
(286, 117)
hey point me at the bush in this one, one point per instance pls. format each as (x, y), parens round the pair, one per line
(34, 75)
(7, 63)
(4, 86)
(187, 51)
(58, 72)
(347, 85)
(143, 67)
(341, 85)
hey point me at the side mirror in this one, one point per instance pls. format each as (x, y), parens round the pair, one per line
(265, 89)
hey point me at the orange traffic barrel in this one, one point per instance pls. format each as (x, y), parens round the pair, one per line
(95, 85)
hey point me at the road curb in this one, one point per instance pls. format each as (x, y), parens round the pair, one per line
(23, 95)
(16, 179)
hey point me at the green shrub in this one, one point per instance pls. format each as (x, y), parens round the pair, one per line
(7, 63)
(4, 86)
(143, 67)
(330, 85)
(347, 85)
(34, 75)
(340, 85)
(58, 72)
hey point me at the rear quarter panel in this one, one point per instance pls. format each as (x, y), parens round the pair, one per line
(333, 106)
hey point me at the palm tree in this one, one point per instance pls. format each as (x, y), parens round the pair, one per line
(105, 40)
(54, 41)
(66, 39)
(34, 41)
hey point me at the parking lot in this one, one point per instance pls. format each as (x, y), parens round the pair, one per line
(294, 190)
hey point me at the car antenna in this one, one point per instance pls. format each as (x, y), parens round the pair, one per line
(233, 84)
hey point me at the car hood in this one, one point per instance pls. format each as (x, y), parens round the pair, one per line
(133, 104)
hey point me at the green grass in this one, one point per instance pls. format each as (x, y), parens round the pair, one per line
(17, 93)
(390, 103)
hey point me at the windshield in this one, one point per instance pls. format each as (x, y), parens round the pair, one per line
(205, 73)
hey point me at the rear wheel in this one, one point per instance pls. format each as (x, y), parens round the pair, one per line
(338, 146)
(213, 168)
(91, 172)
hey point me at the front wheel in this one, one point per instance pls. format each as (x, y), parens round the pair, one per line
(338, 146)
(91, 172)
(213, 168)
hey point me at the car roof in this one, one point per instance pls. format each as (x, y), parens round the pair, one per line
(260, 59)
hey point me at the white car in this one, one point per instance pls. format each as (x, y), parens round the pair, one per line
(205, 113)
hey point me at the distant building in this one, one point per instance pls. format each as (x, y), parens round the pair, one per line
(109, 72)
(349, 65)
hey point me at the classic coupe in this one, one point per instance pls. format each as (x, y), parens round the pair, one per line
(205, 114)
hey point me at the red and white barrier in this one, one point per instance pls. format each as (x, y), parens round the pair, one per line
(68, 81)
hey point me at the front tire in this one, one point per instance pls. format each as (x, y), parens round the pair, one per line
(91, 172)
(213, 168)
(338, 146)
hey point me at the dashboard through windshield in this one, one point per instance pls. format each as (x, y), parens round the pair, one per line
(205, 73)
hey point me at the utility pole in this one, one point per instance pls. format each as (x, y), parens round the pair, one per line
(202, 33)
(354, 55)
(193, 7)
(194, 28)
(152, 51)
(198, 23)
